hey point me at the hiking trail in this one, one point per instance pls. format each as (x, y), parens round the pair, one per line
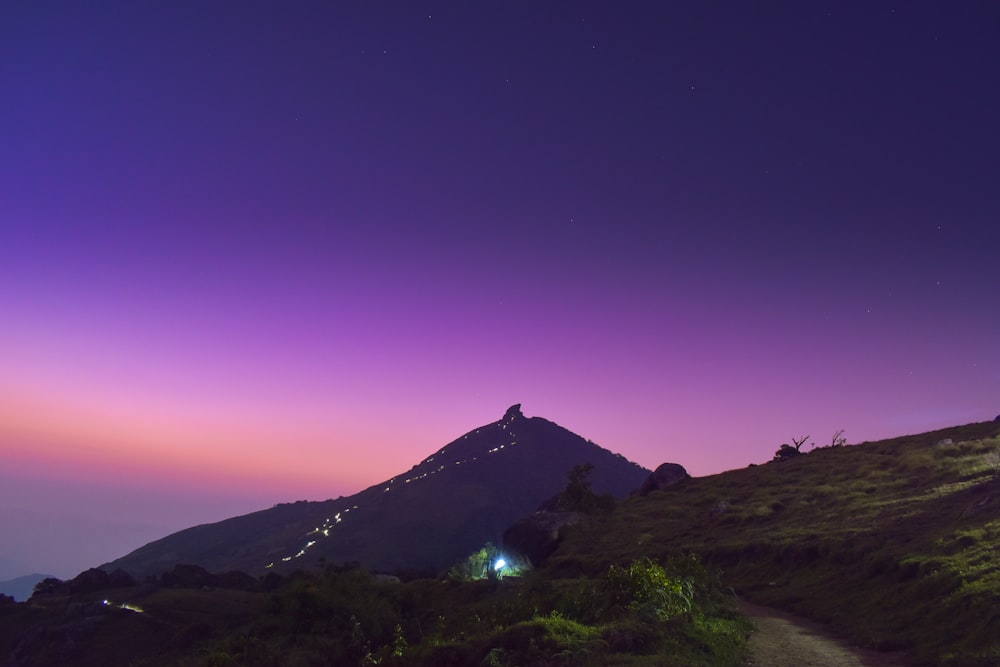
(784, 640)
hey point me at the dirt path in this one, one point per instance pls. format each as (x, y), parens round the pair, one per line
(783, 640)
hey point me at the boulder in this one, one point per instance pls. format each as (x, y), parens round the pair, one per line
(535, 537)
(666, 475)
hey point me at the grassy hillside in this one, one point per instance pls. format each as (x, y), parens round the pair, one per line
(896, 544)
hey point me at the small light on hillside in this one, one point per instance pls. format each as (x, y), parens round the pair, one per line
(499, 565)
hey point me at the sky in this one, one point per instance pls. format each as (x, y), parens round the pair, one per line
(261, 252)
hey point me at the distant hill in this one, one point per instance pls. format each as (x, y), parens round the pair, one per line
(20, 588)
(423, 520)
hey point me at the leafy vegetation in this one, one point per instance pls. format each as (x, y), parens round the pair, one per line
(528, 621)
(639, 613)
(644, 586)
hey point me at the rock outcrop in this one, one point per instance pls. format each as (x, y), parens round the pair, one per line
(666, 475)
(513, 412)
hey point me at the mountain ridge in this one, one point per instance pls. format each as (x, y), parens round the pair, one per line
(424, 519)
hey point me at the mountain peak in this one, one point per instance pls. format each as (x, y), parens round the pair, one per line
(513, 412)
(426, 519)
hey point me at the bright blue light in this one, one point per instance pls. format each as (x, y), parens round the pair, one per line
(499, 564)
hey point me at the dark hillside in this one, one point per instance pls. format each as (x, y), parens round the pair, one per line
(426, 519)
(894, 543)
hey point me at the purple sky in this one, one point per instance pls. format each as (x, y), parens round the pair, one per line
(260, 252)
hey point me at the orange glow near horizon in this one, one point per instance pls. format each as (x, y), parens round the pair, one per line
(88, 443)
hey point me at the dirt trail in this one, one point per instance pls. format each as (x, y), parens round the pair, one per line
(783, 640)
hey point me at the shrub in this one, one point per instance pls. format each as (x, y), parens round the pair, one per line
(578, 497)
(643, 586)
(478, 565)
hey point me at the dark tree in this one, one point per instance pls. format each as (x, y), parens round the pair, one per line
(578, 497)
(798, 443)
(787, 451)
(50, 586)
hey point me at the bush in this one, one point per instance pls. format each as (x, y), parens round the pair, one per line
(643, 586)
(478, 565)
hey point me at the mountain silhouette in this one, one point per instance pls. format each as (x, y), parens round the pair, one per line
(20, 588)
(423, 520)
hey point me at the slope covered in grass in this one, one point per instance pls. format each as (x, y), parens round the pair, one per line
(895, 544)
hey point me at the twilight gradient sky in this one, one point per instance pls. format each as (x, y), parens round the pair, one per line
(259, 252)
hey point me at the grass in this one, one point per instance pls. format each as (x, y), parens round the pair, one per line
(894, 544)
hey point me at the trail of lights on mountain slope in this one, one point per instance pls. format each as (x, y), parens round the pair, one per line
(328, 524)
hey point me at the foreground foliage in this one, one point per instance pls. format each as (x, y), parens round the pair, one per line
(639, 613)
(344, 617)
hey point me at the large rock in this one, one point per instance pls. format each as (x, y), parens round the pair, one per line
(537, 536)
(666, 475)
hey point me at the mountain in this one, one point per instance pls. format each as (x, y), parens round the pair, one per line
(891, 544)
(423, 520)
(20, 588)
